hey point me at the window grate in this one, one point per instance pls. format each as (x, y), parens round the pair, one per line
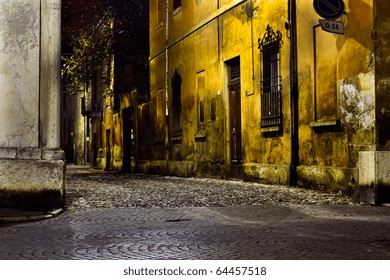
(271, 87)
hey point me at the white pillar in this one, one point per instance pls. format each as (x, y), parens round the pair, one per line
(32, 169)
(19, 73)
(50, 84)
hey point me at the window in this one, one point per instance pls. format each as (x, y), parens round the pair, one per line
(213, 109)
(201, 88)
(176, 4)
(161, 111)
(176, 105)
(271, 88)
(160, 13)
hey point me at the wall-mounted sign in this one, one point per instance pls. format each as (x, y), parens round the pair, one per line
(329, 9)
(332, 26)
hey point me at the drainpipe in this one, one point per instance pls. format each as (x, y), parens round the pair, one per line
(294, 154)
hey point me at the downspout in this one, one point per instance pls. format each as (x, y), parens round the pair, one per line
(252, 47)
(294, 154)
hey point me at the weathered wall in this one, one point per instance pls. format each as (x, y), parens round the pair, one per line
(32, 170)
(200, 45)
(337, 96)
(19, 58)
(157, 26)
(374, 176)
(382, 62)
(342, 85)
(158, 102)
(261, 147)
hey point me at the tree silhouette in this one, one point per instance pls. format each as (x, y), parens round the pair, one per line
(95, 30)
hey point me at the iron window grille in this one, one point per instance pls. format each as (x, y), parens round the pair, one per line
(271, 87)
(176, 105)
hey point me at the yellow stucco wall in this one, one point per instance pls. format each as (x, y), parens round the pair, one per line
(336, 84)
(352, 99)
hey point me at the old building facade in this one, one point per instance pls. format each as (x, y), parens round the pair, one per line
(257, 90)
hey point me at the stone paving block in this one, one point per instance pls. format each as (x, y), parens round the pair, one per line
(98, 234)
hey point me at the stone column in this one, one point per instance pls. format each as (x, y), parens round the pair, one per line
(32, 167)
(50, 73)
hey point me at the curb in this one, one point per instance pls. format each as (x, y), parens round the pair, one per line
(27, 218)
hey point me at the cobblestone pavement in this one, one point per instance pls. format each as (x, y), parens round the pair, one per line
(245, 223)
(88, 188)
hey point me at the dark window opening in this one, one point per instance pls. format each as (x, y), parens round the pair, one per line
(201, 111)
(176, 4)
(176, 105)
(213, 110)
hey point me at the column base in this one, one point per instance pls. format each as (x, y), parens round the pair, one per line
(374, 177)
(30, 180)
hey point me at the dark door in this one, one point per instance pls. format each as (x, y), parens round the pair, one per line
(235, 123)
(108, 149)
(128, 137)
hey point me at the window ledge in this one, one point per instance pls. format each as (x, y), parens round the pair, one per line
(200, 136)
(158, 26)
(270, 129)
(177, 139)
(325, 123)
(176, 11)
(159, 141)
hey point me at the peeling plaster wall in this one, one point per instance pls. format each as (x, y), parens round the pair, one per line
(336, 142)
(374, 164)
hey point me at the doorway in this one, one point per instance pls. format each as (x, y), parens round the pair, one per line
(234, 87)
(129, 140)
(108, 150)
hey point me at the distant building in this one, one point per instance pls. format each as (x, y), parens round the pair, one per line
(237, 89)
(98, 117)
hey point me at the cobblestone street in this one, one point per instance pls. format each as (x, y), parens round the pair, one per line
(88, 188)
(122, 216)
